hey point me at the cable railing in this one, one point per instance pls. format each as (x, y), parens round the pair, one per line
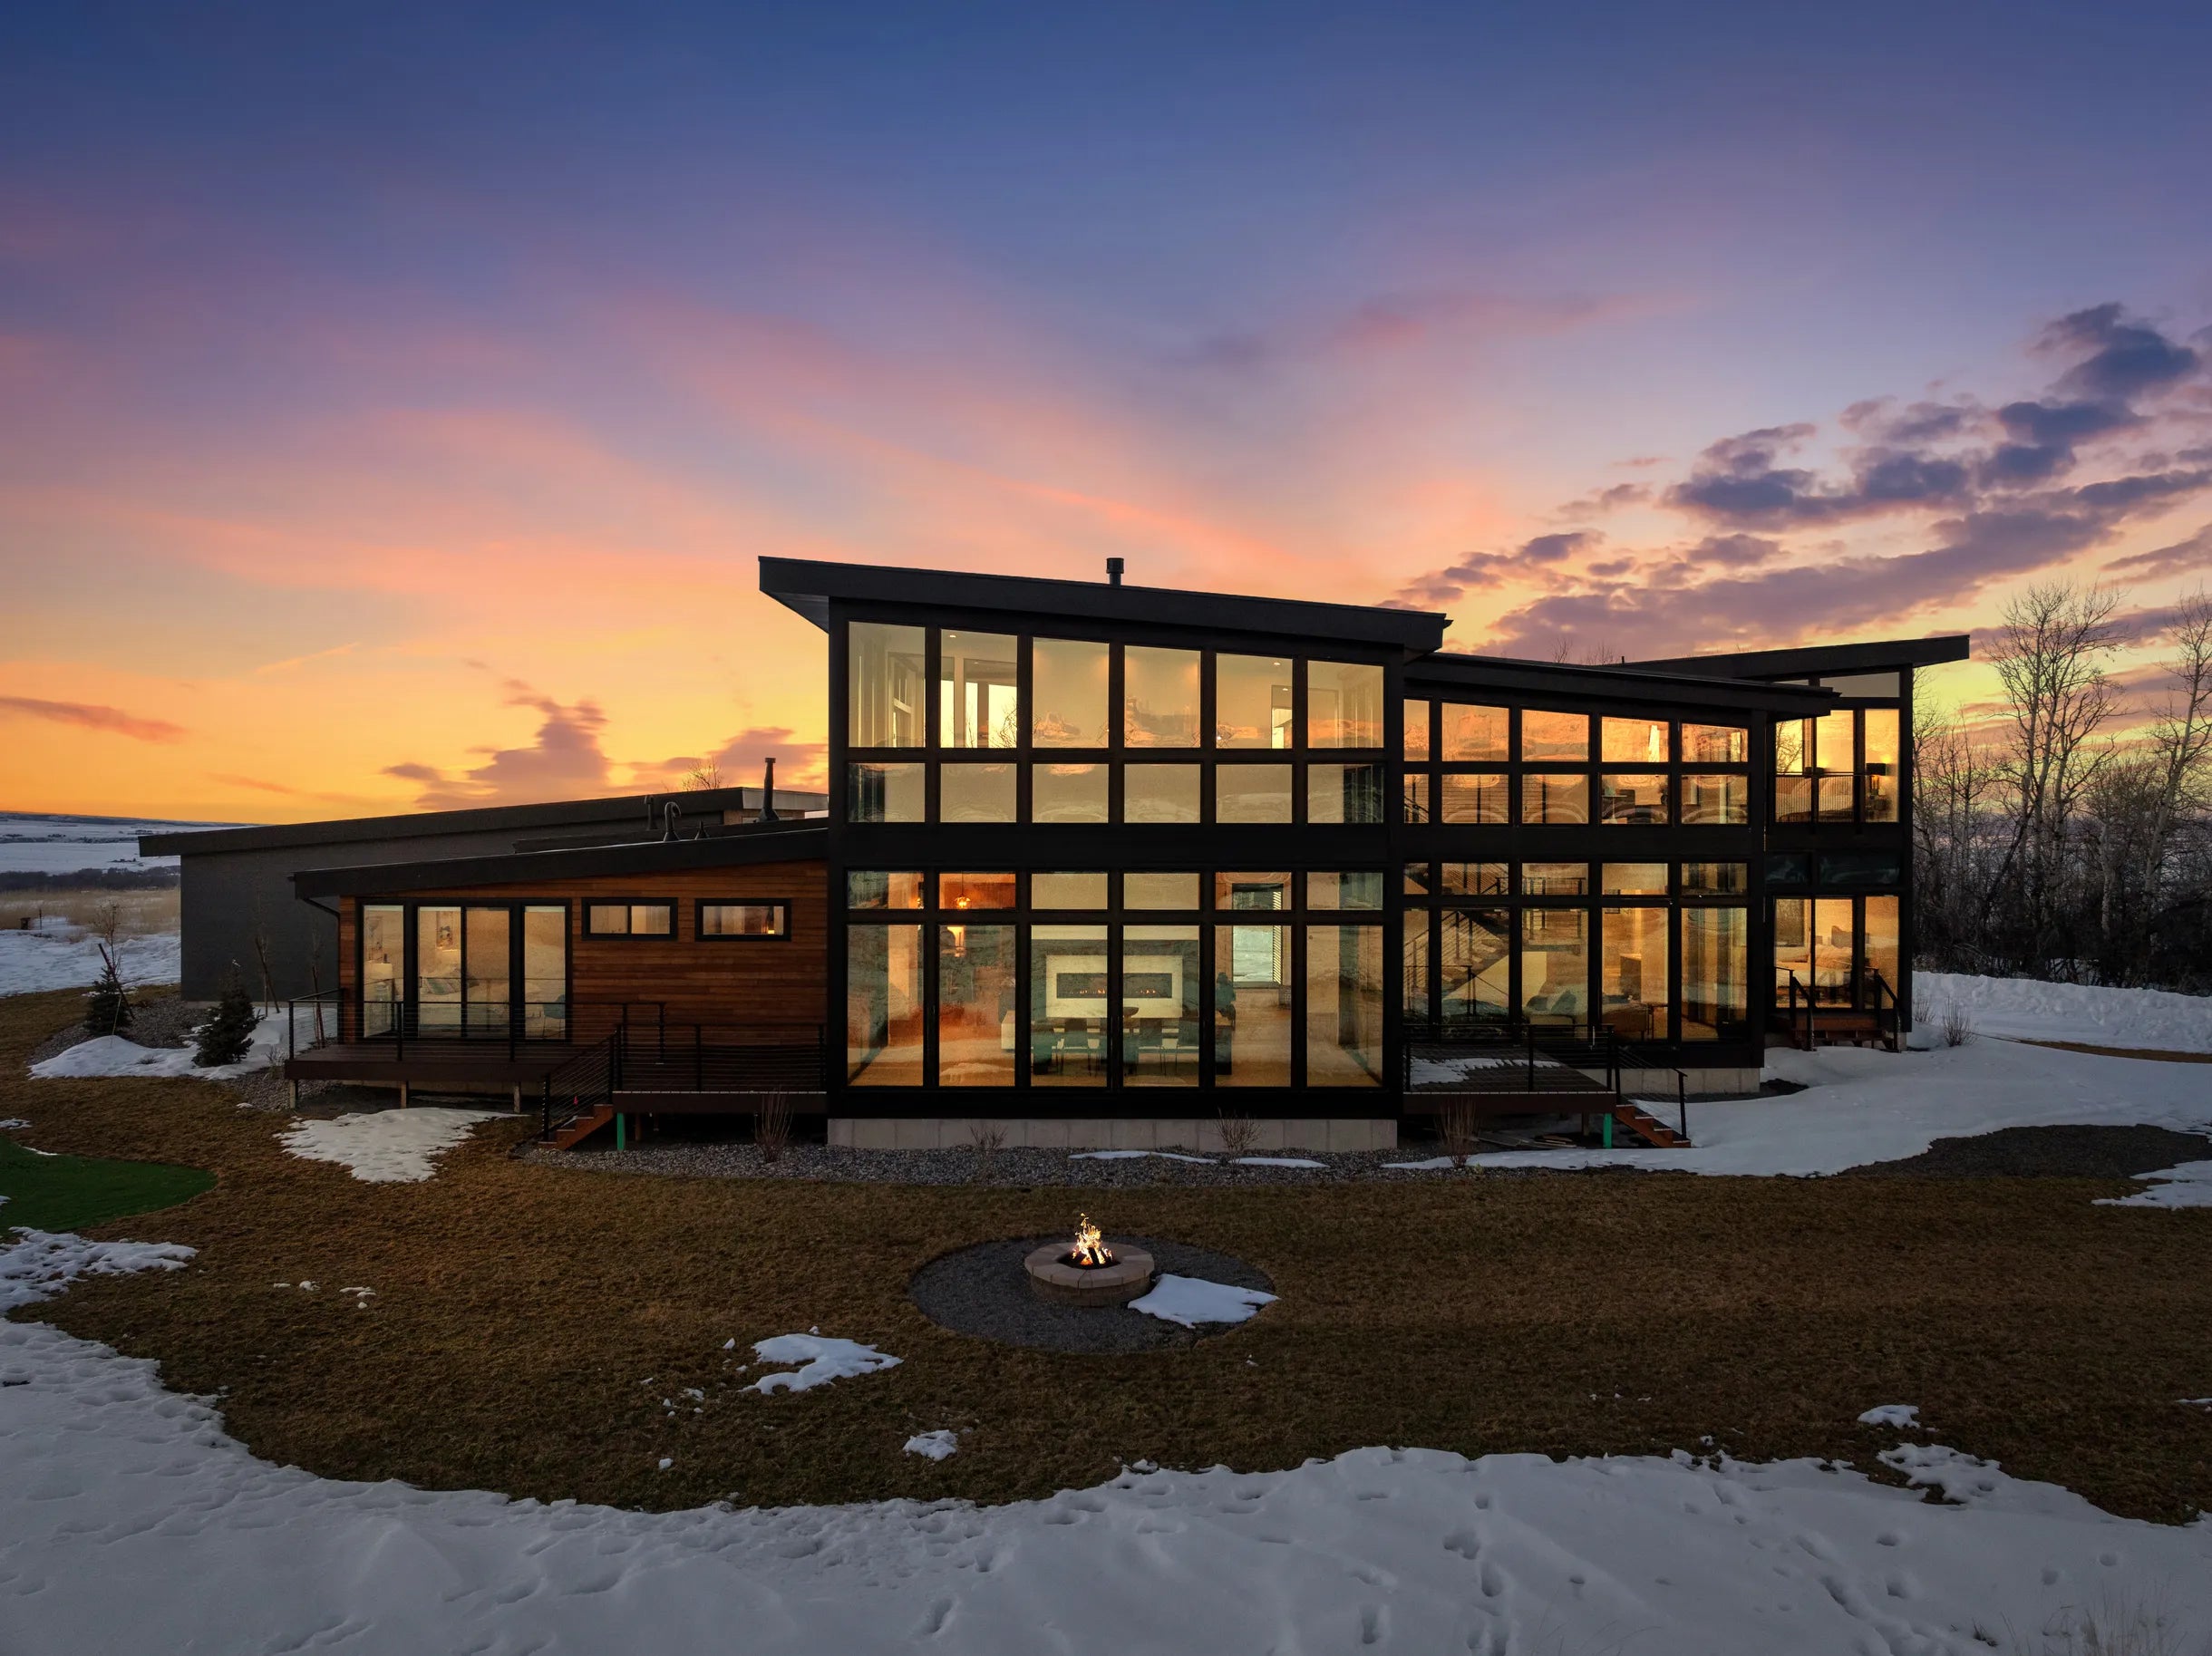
(1560, 1062)
(346, 1018)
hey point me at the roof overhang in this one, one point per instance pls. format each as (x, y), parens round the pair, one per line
(1450, 672)
(810, 588)
(1873, 655)
(774, 842)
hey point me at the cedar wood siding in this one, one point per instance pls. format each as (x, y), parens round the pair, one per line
(718, 982)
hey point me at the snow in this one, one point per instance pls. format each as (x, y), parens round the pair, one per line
(1899, 1415)
(1136, 1156)
(2152, 1020)
(936, 1445)
(1864, 1105)
(62, 958)
(384, 1147)
(12, 1124)
(107, 1478)
(1192, 1300)
(36, 1266)
(822, 1358)
(1278, 1161)
(113, 1055)
(40, 843)
(2187, 1186)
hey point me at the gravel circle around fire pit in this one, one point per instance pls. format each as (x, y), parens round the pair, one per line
(983, 1291)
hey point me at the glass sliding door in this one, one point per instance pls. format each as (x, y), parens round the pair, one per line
(544, 971)
(1162, 990)
(975, 1011)
(1251, 1011)
(1068, 1005)
(883, 1005)
(1344, 1006)
(488, 970)
(437, 983)
(383, 967)
(1715, 972)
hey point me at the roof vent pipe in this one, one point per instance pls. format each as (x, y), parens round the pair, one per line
(671, 814)
(768, 792)
(1113, 571)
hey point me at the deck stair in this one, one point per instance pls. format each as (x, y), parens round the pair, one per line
(1649, 1127)
(569, 1134)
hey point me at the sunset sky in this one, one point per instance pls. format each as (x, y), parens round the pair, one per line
(394, 401)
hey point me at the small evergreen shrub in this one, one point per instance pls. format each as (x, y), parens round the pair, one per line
(107, 1005)
(229, 1032)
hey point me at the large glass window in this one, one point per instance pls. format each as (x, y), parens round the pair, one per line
(1252, 793)
(1715, 879)
(1475, 796)
(1793, 771)
(1835, 751)
(885, 680)
(1164, 891)
(975, 793)
(1555, 965)
(1556, 798)
(1633, 741)
(1344, 1006)
(1252, 1012)
(1639, 800)
(1068, 1019)
(544, 971)
(1882, 949)
(886, 793)
(1160, 697)
(1343, 704)
(1555, 879)
(1159, 793)
(1067, 793)
(1344, 793)
(1632, 973)
(489, 975)
(1067, 890)
(1163, 998)
(1815, 942)
(1359, 888)
(1415, 797)
(1416, 975)
(1472, 732)
(883, 1005)
(882, 888)
(384, 966)
(1483, 879)
(1068, 683)
(1714, 744)
(1632, 879)
(1240, 890)
(1251, 701)
(1715, 972)
(976, 1006)
(438, 986)
(1721, 800)
(966, 891)
(1548, 736)
(1475, 963)
(978, 695)
(1879, 762)
(1417, 730)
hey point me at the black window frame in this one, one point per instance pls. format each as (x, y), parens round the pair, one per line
(783, 905)
(673, 906)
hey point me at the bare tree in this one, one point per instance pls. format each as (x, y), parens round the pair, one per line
(1955, 789)
(2050, 655)
(705, 775)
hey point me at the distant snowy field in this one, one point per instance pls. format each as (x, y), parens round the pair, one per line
(64, 957)
(41, 844)
(2022, 1009)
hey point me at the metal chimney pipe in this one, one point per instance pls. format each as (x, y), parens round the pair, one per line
(1113, 571)
(768, 792)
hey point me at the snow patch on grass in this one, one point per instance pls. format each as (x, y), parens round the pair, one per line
(1192, 1300)
(385, 1146)
(1899, 1415)
(2020, 1008)
(38, 1264)
(106, 1056)
(936, 1445)
(2187, 1186)
(822, 1360)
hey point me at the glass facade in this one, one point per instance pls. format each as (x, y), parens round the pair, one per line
(1159, 701)
(1343, 704)
(1252, 702)
(886, 674)
(978, 697)
(1071, 686)
(883, 1006)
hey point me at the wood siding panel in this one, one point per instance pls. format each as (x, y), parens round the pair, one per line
(717, 982)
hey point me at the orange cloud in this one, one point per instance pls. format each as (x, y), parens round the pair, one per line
(111, 719)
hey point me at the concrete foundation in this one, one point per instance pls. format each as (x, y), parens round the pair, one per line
(1202, 1136)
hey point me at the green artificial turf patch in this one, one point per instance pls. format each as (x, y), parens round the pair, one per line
(67, 1193)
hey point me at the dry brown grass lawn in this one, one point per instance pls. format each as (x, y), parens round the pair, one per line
(139, 914)
(520, 1309)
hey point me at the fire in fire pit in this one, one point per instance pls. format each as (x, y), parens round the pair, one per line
(1089, 1272)
(1091, 1251)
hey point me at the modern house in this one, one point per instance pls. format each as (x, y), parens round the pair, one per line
(1103, 864)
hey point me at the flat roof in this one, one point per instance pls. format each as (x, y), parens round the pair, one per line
(480, 820)
(1810, 661)
(1448, 670)
(770, 842)
(809, 587)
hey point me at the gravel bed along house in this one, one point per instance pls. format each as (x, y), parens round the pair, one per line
(2047, 1152)
(983, 1291)
(1016, 1169)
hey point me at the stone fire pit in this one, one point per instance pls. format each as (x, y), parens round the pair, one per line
(1088, 1272)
